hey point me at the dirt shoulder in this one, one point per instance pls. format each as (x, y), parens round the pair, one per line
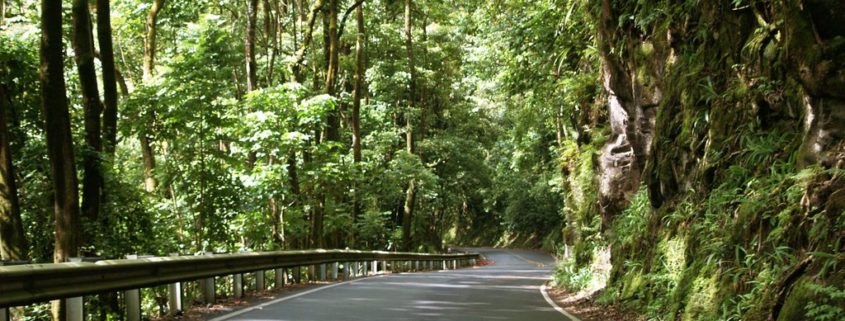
(587, 309)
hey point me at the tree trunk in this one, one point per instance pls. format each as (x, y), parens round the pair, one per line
(59, 143)
(150, 39)
(2, 12)
(356, 106)
(83, 47)
(411, 192)
(13, 244)
(296, 68)
(251, 74)
(249, 44)
(149, 70)
(149, 163)
(104, 37)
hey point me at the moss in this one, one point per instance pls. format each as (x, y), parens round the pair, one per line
(794, 308)
(632, 283)
(701, 302)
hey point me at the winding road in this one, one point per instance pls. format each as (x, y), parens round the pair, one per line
(510, 289)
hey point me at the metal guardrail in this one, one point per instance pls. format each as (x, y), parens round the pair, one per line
(33, 283)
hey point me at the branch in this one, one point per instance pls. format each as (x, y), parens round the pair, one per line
(300, 55)
(345, 15)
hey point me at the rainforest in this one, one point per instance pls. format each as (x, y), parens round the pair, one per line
(682, 160)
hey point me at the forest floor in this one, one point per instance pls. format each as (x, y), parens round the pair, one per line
(585, 307)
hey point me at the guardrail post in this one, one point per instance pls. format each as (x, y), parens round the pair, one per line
(208, 287)
(208, 290)
(74, 307)
(375, 267)
(346, 271)
(4, 314)
(174, 297)
(384, 266)
(297, 274)
(334, 270)
(280, 278)
(416, 266)
(366, 268)
(260, 285)
(133, 299)
(323, 272)
(454, 264)
(238, 285)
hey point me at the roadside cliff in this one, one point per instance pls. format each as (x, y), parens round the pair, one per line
(720, 186)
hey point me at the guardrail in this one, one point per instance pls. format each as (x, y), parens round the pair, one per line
(33, 283)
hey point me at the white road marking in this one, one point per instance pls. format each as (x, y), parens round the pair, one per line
(555, 306)
(261, 306)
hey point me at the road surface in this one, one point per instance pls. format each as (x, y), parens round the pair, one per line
(506, 290)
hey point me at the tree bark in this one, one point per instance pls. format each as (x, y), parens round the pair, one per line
(356, 107)
(251, 74)
(150, 39)
(13, 244)
(83, 47)
(296, 68)
(333, 119)
(59, 144)
(252, 18)
(147, 151)
(104, 37)
(411, 192)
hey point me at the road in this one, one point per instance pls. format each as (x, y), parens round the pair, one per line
(506, 290)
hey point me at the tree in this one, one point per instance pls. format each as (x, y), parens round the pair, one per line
(13, 243)
(57, 128)
(411, 191)
(356, 104)
(59, 142)
(83, 47)
(150, 39)
(104, 38)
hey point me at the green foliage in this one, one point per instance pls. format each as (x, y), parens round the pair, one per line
(571, 277)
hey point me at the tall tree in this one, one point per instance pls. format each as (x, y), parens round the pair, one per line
(57, 129)
(332, 129)
(83, 47)
(411, 192)
(59, 142)
(104, 38)
(296, 67)
(13, 244)
(356, 103)
(150, 39)
(149, 71)
(249, 45)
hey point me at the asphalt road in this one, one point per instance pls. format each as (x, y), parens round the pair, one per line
(506, 290)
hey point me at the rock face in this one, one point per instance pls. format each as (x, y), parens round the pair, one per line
(733, 118)
(631, 83)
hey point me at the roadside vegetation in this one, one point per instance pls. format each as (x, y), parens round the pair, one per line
(683, 159)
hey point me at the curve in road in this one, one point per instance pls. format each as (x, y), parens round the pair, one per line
(510, 289)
